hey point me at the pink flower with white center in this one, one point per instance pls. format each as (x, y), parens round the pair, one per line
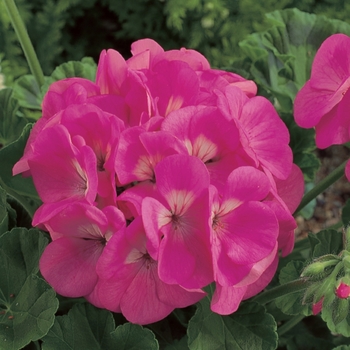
(207, 135)
(129, 281)
(263, 134)
(61, 170)
(139, 151)
(80, 233)
(172, 85)
(323, 102)
(177, 226)
(237, 241)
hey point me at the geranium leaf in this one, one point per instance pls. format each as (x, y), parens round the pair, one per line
(329, 242)
(27, 303)
(27, 92)
(330, 314)
(86, 327)
(86, 68)
(250, 327)
(4, 220)
(11, 124)
(134, 337)
(291, 304)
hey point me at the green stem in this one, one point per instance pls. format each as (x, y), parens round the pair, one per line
(25, 42)
(289, 324)
(279, 291)
(335, 175)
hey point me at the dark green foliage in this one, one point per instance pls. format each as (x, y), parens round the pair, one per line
(63, 30)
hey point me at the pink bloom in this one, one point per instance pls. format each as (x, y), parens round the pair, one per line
(177, 225)
(80, 233)
(343, 291)
(323, 101)
(237, 241)
(129, 280)
(263, 135)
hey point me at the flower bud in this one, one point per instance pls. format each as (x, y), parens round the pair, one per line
(320, 268)
(317, 307)
(343, 289)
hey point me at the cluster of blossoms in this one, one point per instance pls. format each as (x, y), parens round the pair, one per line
(323, 103)
(158, 179)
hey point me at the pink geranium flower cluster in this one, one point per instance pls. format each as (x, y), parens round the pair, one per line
(324, 101)
(158, 179)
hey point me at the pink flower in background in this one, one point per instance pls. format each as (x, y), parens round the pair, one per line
(323, 101)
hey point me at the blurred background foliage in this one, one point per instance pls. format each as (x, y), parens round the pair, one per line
(63, 30)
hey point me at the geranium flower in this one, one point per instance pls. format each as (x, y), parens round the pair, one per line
(177, 226)
(80, 233)
(237, 242)
(129, 281)
(263, 135)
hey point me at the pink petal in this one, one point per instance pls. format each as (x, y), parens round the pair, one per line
(226, 300)
(181, 179)
(68, 264)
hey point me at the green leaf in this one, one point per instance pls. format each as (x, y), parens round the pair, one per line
(250, 327)
(4, 220)
(27, 302)
(282, 56)
(330, 314)
(17, 186)
(86, 68)
(86, 327)
(11, 124)
(291, 304)
(342, 347)
(328, 242)
(27, 92)
(133, 337)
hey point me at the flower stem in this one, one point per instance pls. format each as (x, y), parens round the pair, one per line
(335, 175)
(289, 324)
(25, 41)
(279, 291)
